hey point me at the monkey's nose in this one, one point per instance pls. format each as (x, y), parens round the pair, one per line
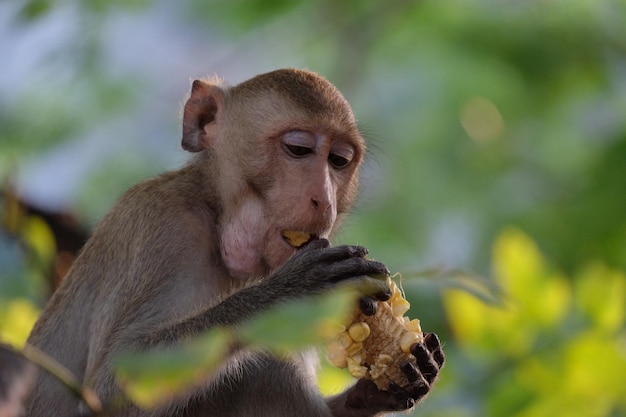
(320, 205)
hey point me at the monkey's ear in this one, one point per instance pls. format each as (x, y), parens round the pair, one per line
(201, 109)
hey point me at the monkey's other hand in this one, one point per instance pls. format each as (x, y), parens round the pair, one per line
(318, 267)
(422, 374)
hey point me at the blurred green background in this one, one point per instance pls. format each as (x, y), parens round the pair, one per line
(496, 181)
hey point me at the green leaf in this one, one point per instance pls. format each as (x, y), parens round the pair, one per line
(540, 296)
(34, 9)
(303, 323)
(601, 294)
(151, 377)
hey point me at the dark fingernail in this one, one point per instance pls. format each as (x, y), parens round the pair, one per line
(383, 295)
(409, 403)
(419, 350)
(439, 357)
(432, 341)
(417, 391)
(410, 371)
(434, 345)
(368, 306)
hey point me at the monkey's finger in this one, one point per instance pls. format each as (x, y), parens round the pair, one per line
(434, 345)
(418, 389)
(356, 268)
(372, 287)
(410, 370)
(342, 252)
(402, 399)
(317, 244)
(425, 362)
(367, 305)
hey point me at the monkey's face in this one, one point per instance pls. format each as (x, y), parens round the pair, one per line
(306, 182)
(314, 175)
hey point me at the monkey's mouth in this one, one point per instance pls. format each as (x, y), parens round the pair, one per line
(298, 239)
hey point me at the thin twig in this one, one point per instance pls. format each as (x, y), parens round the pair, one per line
(60, 372)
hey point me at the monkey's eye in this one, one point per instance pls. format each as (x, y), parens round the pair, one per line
(298, 144)
(341, 154)
(338, 161)
(298, 151)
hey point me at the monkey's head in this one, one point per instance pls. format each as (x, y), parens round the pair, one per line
(283, 150)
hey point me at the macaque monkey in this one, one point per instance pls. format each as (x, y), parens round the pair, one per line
(206, 246)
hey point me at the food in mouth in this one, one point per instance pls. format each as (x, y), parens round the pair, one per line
(298, 239)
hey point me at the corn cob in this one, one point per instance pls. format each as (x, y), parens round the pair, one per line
(374, 346)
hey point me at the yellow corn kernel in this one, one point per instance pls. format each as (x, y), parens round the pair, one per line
(354, 349)
(384, 359)
(359, 331)
(414, 326)
(356, 358)
(396, 292)
(407, 340)
(345, 340)
(296, 238)
(376, 371)
(399, 306)
(337, 354)
(356, 369)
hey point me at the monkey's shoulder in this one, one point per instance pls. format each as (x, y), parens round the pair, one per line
(177, 199)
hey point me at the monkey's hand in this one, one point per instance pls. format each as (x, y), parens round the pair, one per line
(365, 399)
(312, 270)
(319, 267)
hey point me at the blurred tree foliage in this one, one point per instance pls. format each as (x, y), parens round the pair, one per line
(482, 115)
(554, 346)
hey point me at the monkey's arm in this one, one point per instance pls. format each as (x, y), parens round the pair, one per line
(364, 399)
(313, 270)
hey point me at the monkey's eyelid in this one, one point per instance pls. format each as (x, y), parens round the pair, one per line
(341, 156)
(298, 151)
(299, 138)
(339, 161)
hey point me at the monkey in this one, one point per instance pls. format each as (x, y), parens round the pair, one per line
(206, 246)
(17, 376)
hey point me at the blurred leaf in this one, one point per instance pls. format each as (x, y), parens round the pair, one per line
(558, 365)
(39, 238)
(34, 9)
(533, 299)
(241, 14)
(296, 325)
(466, 315)
(538, 294)
(332, 380)
(608, 367)
(567, 381)
(153, 377)
(601, 294)
(17, 317)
